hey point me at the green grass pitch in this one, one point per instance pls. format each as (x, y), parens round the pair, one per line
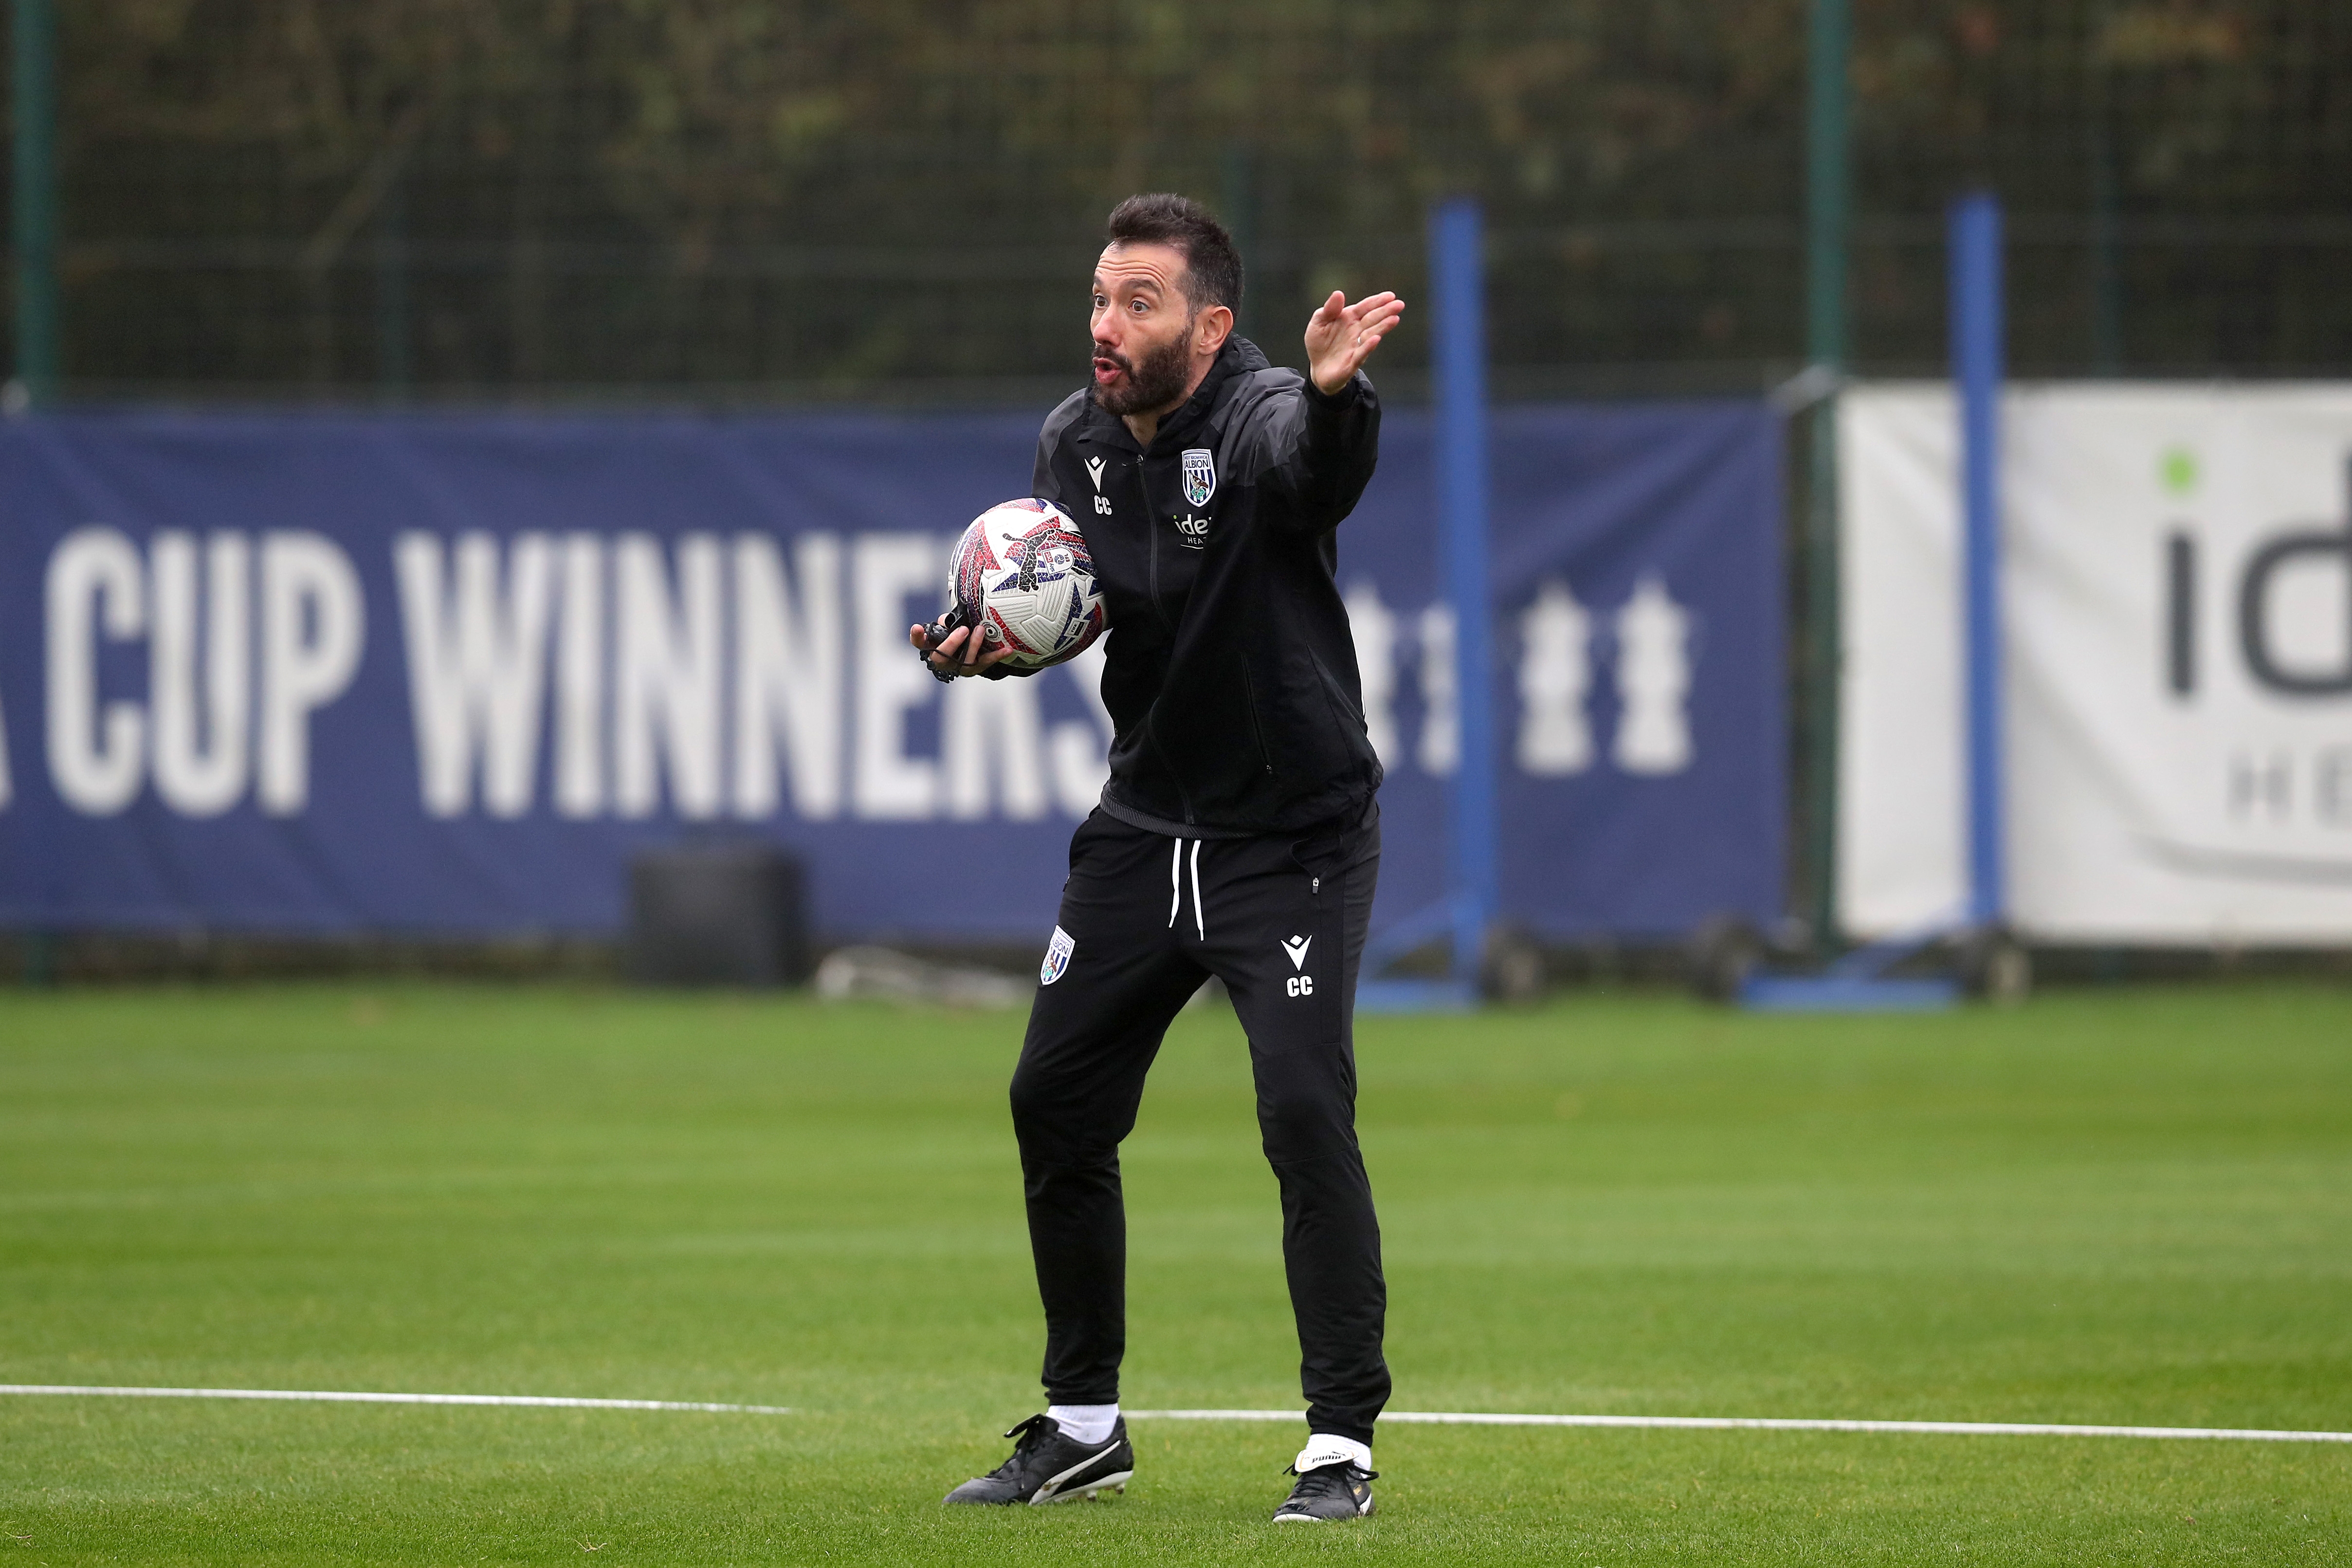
(2127, 1207)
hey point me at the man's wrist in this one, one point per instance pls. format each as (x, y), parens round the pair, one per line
(1348, 392)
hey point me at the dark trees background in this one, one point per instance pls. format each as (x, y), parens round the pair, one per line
(718, 198)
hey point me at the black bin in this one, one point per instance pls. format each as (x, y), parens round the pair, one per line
(718, 914)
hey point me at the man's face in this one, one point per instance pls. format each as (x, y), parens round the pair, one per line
(1143, 329)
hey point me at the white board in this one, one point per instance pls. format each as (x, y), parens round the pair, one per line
(2176, 771)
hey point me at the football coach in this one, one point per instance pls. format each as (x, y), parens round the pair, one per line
(1238, 835)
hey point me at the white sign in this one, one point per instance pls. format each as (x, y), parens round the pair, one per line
(2177, 602)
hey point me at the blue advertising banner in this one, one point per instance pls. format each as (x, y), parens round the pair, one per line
(447, 673)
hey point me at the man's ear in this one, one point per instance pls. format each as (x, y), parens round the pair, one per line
(1210, 328)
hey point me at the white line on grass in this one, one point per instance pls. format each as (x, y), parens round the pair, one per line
(1400, 1417)
(347, 1398)
(1771, 1424)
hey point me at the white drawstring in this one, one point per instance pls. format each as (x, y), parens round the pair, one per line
(1199, 921)
(1176, 889)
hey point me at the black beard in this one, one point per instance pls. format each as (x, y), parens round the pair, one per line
(1155, 383)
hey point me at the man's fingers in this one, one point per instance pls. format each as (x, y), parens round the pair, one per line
(942, 656)
(1360, 321)
(1373, 329)
(1337, 339)
(963, 651)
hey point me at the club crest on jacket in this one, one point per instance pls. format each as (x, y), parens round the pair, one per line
(1200, 476)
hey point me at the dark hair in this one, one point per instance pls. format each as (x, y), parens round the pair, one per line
(1213, 267)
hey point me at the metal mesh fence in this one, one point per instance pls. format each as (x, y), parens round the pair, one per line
(720, 198)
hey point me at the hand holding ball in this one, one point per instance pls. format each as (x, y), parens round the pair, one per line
(1022, 580)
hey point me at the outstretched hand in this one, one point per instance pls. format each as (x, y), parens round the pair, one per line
(1340, 336)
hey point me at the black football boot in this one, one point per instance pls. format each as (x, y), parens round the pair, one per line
(1341, 1490)
(1046, 1466)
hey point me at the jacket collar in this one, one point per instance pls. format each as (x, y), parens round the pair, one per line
(1238, 357)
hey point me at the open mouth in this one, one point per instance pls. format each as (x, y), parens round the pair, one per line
(1108, 371)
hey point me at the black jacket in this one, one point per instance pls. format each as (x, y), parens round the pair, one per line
(1230, 673)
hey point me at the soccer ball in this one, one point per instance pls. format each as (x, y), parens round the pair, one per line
(1021, 573)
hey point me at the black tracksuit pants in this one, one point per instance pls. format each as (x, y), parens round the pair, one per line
(1147, 918)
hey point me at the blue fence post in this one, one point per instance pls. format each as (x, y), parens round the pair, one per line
(1457, 275)
(1977, 368)
(1829, 190)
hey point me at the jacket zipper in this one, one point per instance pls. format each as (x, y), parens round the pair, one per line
(1151, 532)
(1257, 728)
(1151, 724)
(1332, 691)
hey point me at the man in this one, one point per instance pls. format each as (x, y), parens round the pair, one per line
(1237, 837)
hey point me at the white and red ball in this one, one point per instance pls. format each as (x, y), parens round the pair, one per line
(1022, 572)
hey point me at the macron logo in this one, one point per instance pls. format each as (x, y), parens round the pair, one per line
(1297, 947)
(1095, 471)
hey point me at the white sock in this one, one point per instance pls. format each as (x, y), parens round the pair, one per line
(1325, 1449)
(1086, 1424)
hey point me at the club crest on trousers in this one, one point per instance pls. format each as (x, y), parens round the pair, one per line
(1058, 957)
